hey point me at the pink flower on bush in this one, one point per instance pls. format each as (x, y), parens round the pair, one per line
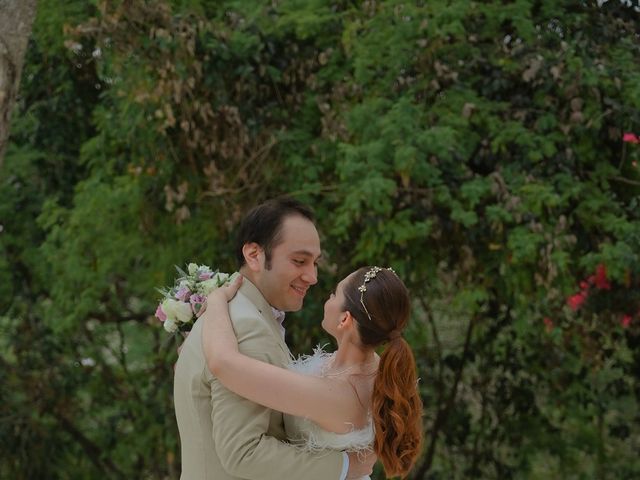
(576, 301)
(548, 324)
(601, 277)
(630, 138)
(160, 315)
(599, 280)
(626, 321)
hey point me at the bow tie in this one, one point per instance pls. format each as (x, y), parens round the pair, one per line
(279, 316)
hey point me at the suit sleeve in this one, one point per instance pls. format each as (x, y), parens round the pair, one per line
(239, 431)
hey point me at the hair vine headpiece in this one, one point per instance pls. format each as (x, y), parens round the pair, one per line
(367, 278)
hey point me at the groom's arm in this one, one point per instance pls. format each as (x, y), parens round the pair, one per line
(247, 451)
(240, 431)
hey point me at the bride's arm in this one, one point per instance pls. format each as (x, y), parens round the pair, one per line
(324, 401)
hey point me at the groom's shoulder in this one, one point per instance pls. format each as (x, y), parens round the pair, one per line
(244, 312)
(242, 305)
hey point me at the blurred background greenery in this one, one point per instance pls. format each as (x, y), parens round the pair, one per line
(475, 146)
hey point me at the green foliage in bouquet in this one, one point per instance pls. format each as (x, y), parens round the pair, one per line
(475, 147)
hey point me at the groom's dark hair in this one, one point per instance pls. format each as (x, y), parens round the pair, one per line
(263, 225)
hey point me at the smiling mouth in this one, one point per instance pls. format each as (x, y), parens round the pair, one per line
(299, 291)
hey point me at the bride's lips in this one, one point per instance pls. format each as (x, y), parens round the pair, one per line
(299, 290)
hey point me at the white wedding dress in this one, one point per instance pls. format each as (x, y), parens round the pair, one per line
(307, 435)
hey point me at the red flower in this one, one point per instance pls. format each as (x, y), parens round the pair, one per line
(576, 301)
(626, 321)
(548, 324)
(601, 277)
(630, 138)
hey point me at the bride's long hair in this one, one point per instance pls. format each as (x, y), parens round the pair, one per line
(382, 312)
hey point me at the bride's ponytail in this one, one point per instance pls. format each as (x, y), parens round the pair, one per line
(379, 301)
(397, 409)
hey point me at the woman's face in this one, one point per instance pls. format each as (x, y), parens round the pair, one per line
(333, 308)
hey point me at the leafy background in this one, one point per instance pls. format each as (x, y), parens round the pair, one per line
(474, 146)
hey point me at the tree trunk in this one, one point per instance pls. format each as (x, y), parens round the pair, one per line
(16, 19)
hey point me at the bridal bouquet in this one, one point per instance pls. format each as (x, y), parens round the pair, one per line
(187, 299)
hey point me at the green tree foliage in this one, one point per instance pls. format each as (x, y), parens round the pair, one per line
(476, 147)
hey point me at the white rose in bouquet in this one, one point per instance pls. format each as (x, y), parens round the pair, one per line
(192, 268)
(177, 311)
(208, 286)
(222, 278)
(170, 325)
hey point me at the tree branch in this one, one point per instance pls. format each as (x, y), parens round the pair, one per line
(16, 19)
(90, 448)
(443, 413)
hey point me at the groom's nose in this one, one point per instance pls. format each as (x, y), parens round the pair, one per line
(310, 274)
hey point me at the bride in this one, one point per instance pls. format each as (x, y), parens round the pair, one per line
(351, 399)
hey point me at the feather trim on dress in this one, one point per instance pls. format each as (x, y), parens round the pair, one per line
(313, 438)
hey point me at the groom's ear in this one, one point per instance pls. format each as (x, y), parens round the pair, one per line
(253, 256)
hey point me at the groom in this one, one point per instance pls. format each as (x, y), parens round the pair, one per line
(224, 436)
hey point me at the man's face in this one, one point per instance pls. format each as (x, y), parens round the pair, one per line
(293, 265)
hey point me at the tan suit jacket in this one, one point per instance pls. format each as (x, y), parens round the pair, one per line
(226, 437)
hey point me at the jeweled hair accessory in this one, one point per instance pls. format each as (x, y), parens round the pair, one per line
(371, 274)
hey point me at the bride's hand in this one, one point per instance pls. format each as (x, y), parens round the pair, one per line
(228, 291)
(361, 464)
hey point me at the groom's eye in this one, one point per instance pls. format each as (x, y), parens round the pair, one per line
(298, 262)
